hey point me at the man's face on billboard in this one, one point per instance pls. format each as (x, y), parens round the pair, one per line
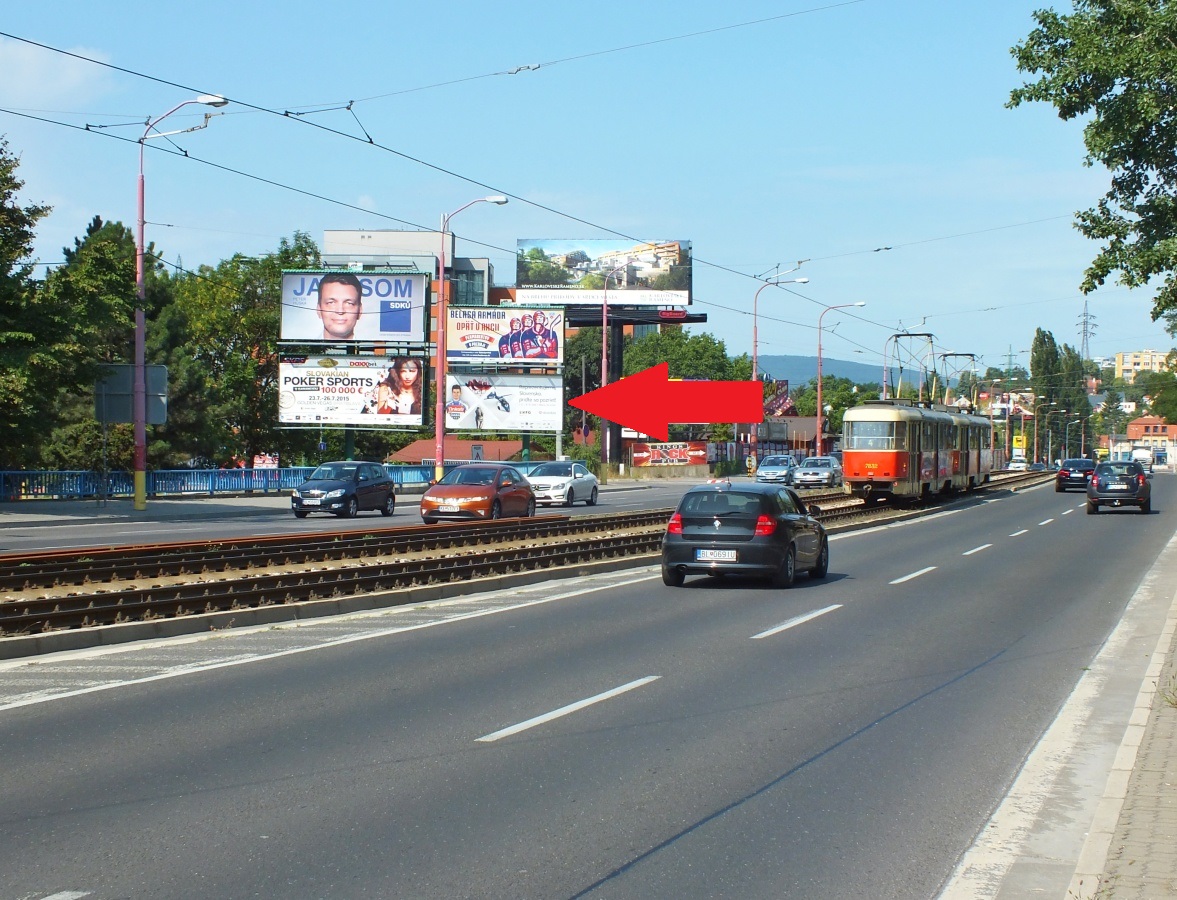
(339, 310)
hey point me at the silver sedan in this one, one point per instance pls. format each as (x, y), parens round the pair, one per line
(564, 483)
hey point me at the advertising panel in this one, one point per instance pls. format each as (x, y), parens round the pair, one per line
(678, 453)
(350, 390)
(572, 272)
(321, 305)
(504, 402)
(489, 333)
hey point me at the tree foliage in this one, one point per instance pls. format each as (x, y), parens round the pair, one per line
(1115, 63)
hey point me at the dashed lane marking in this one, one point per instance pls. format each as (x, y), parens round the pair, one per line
(797, 620)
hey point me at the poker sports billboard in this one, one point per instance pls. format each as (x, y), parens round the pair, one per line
(576, 272)
(351, 390)
(523, 337)
(493, 402)
(338, 306)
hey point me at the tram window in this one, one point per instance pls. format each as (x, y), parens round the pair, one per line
(869, 435)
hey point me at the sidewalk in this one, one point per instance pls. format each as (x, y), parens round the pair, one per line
(1130, 851)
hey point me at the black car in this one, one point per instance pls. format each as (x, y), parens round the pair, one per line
(1074, 473)
(1119, 483)
(747, 529)
(344, 488)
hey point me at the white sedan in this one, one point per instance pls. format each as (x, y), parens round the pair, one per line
(564, 483)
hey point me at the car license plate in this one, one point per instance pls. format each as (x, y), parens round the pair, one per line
(715, 555)
(1119, 487)
(306, 502)
(448, 508)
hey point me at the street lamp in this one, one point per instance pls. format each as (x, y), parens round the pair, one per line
(139, 383)
(1038, 406)
(773, 282)
(442, 315)
(820, 429)
(605, 362)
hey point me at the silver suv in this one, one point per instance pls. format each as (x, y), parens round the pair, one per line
(818, 471)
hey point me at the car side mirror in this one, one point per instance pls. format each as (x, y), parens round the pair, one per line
(813, 510)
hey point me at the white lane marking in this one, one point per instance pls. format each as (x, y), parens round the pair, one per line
(67, 895)
(797, 620)
(976, 550)
(261, 657)
(567, 710)
(1019, 533)
(1046, 521)
(1067, 512)
(914, 575)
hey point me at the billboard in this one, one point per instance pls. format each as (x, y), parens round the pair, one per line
(476, 334)
(350, 390)
(504, 402)
(678, 453)
(325, 305)
(576, 272)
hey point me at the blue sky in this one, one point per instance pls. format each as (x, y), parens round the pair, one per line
(762, 132)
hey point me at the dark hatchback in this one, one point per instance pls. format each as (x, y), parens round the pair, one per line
(1121, 483)
(764, 530)
(1074, 473)
(343, 489)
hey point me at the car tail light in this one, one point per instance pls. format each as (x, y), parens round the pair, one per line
(1064, 473)
(674, 526)
(1140, 480)
(765, 525)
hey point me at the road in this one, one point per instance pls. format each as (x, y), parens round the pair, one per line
(609, 738)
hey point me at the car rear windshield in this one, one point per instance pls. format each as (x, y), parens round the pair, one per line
(1119, 468)
(716, 503)
(1078, 464)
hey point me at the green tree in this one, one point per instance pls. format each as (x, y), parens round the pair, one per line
(1114, 64)
(534, 268)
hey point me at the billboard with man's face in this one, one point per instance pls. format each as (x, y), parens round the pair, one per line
(493, 402)
(337, 306)
(593, 272)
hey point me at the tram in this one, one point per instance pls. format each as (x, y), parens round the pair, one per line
(903, 449)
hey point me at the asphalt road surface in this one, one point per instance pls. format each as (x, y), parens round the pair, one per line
(608, 738)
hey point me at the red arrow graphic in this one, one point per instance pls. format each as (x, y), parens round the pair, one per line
(648, 401)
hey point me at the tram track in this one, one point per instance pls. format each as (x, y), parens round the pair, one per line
(212, 584)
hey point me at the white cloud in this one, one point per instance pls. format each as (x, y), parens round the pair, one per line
(38, 78)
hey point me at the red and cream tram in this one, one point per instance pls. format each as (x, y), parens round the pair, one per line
(908, 449)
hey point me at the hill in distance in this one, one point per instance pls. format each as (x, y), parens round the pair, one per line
(800, 370)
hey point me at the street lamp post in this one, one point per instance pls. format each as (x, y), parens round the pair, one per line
(772, 282)
(1038, 406)
(605, 362)
(442, 314)
(139, 382)
(820, 429)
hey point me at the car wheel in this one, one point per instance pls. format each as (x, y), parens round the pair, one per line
(1092, 508)
(429, 520)
(672, 577)
(1058, 489)
(351, 509)
(1146, 506)
(300, 514)
(823, 561)
(389, 505)
(592, 500)
(496, 510)
(531, 509)
(787, 573)
(570, 497)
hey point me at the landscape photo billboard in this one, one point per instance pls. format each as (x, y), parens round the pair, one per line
(352, 390)
(525, 337)
(589, 272)
(493, 402)
(338, 306)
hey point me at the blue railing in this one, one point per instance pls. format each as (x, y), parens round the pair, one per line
(47, 485)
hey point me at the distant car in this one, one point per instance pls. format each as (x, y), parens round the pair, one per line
(1074, 473)
(776, 469)
(818, 471)
(564, 483)
(344, 488)
(478, 491)
(1018, 464)
(1119, 483)
(1037, 467)
(748, 529)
